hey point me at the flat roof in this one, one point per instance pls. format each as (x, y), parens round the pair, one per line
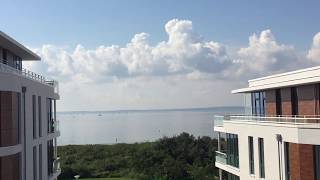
(15, 47)
(288, 79)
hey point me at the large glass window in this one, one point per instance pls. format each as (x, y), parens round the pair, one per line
(251, 155)
(232, 150)
(258, 103)
(228, 176)
(261, 157)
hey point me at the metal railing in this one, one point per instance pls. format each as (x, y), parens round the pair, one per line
(218, 120)
(299, 119)
(30, 75)
(221, 157)
(54, 126)
(56, 165)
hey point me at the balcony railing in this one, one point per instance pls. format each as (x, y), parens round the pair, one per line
(299, 119)
(54, 126)
(56, 165)
(221, 157)
(30, 75)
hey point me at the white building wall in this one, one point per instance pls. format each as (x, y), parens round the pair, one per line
(11, 82)
(303, 134)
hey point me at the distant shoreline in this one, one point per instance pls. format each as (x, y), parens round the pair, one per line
(158, 110)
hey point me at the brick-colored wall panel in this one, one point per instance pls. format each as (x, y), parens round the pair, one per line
(9, 167)
(270, 103)
(9, 119)
(301, 161)
(286, 101)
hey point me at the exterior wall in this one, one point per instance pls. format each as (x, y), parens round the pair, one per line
(12, 84)
(9, 119)
(9, 167)
(286, 101)
(301, 161)
(307, 100)
(271, 102)
(301, 157)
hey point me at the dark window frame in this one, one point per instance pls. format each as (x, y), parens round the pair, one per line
(40, 116)
(251, 154)
(278, 102)
(5, 56)
(294, 101)
(261, 158)
(34, 116)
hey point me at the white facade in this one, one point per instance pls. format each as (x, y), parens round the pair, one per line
(37, 124)
(290, 135)
(301, 133)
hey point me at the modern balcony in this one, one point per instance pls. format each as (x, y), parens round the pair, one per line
(54, 126)
(56, 169)
(221, 157)
(56, 165)
(222, 163)
(299, 120)
(29, 75)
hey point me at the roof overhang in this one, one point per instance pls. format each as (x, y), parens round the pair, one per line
(289, 79)
(15, 47)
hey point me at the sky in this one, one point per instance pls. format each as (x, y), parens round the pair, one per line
(142, 54)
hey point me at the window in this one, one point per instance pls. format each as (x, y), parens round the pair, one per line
(294, 101)
(258, 103)
(17, 62)
(251, 155)
(232, 150)
(278, 102)
(261, 157)
(34, 116)
(317, 161)
(50, 156)
(228, 176)
(39, 116)
(40, 162)
(50, 115)
(287, 160)
(4, 56)
(35, 163)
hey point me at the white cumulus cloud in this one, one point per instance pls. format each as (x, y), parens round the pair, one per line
(314, 52)
(265, 54)
(185, 70)
(184, 52)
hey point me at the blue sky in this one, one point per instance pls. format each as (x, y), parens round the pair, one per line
(142, 54)
(93, 23)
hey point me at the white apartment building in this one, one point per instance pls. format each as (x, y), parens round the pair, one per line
(28, 124)
(278, 137)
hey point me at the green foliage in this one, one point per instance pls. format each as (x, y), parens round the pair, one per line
(182, 157)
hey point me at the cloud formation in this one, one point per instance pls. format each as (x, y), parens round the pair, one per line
(314, 52)
(265, 54)
(183, 71)
(184, 52)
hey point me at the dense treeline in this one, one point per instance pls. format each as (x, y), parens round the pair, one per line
(182, 157)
